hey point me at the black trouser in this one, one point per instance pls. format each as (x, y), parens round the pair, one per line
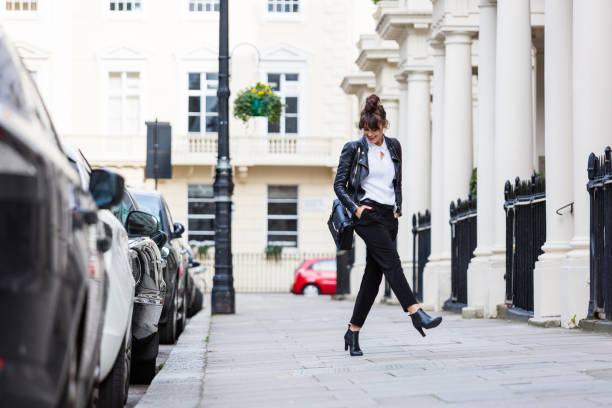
(378, 228)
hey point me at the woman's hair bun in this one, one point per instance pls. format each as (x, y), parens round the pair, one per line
(371, 104)
(373, 115)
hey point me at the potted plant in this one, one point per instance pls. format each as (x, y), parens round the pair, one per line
(258, 100)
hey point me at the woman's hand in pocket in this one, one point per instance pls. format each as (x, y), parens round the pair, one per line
(360, 209)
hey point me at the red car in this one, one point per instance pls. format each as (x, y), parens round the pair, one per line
(315, 276)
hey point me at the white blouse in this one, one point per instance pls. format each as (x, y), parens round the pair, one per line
(378, 185)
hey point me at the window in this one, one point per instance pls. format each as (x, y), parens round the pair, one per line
(124, 6)
(202, 109)
(324, 265)
(23, 5)
(121, 210)
(287, 88)
(124, 94)
(206, 6)
(283, 6)
(282, 215)
(201, 214)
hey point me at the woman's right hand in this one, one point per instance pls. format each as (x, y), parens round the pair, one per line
(360, 209)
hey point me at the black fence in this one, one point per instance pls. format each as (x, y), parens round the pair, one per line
(421, 248)
(600, 192)
(525, 205)
(463, 243)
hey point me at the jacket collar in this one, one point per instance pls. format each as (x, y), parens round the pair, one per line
(364, 145)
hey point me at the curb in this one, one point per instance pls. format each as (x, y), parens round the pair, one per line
(182, 376)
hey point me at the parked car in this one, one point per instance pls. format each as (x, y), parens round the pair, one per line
(315, 277)
(196, 297)
(174, 313)
(115, 353)
(147, 268)
(52, 283)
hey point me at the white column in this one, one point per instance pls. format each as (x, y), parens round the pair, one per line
(513, 124)
(592, 107)
(457, 145)
(479, 266)
(559, 169)
(417, 151)
(404, 235)
(431, 283)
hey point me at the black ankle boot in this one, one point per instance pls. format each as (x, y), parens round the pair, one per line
(421, 320)
(351, 338)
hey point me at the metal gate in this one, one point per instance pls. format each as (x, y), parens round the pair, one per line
(600, 192)
(421, 248)
(525, 206)
(463, 243)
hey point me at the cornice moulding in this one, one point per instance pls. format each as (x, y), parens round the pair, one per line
(353, 84)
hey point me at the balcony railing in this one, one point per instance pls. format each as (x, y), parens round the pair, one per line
(201, 149)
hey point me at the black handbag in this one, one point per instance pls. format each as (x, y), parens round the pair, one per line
(340, 222)
(341, 226)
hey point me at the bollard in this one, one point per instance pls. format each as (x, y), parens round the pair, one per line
(344, 264)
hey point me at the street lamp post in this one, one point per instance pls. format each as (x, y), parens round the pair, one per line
(223, 296)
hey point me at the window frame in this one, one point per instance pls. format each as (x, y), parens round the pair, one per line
(200, 216)
(123, 14)
(202, 93)
(283, 217)
(21, 14)
(283, 94)
(283, 16)
(124, 95)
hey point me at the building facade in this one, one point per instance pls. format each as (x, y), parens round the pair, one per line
(516, 87)
(104, 68)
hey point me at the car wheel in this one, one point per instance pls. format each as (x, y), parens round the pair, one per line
(143, 372)
(310, 290)
(196, 303)
(114, 389)
(167, 331)
(69, 394)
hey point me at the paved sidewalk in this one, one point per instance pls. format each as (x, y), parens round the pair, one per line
(286, 350)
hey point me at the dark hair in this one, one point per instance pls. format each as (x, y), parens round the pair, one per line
(373, 115)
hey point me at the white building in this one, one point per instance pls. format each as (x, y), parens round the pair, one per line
(537, 71)
(106, 67)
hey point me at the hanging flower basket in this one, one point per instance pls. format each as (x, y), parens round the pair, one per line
(258, 100)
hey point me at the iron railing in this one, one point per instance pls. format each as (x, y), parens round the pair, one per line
(258, 273)
(421, 248)
(463, 243)
(525, 206)
(600, 192)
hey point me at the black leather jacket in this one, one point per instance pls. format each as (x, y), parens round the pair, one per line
(353, 169)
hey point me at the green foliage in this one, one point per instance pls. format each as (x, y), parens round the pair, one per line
(273, 252)
(201, 250)
(474, 182)
(572, 323)
(258, 100)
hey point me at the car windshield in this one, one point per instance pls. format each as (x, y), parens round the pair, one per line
(151, 205)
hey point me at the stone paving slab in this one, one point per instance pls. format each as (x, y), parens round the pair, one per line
(288, 351)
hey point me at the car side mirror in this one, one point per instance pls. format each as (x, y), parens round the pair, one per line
(141, 223)
(106, 187)
(160, 238)
(178, 229)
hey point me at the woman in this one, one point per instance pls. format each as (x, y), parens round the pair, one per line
(369, 184)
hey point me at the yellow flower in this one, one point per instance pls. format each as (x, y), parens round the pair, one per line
(252, 90)
(260, 92)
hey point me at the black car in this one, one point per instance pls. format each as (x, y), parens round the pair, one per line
(52, 283)
(148, 265)
(174, 314)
